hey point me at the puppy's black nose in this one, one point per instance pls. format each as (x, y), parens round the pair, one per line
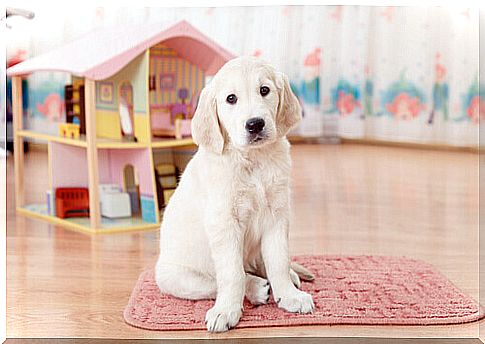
(255, 125)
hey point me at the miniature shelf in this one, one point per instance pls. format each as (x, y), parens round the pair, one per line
(167, 143)
(81, 142)
(82, 224)
(119, 144)
(107, 143)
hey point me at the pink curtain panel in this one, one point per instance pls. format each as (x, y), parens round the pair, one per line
(367, 290)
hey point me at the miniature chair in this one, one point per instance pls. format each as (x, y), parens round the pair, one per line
(180, 110)
(72, 202)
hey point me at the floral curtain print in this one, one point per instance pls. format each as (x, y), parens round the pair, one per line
(394, 74)
(406, 74)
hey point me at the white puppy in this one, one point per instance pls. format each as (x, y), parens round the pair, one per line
(224, 233)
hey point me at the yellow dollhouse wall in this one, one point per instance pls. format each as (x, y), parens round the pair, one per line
(164, 63)
(108, 97)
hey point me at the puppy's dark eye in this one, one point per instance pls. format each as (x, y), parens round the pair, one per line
(264, 90)
(231, 99)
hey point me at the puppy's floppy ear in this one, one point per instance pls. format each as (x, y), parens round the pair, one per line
(289, 110)
(206, 130)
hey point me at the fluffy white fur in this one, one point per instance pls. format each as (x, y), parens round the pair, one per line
(224, 233)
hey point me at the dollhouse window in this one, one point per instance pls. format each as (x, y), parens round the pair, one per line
(167, 82)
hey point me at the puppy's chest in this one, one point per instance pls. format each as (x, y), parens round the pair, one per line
(259, 195)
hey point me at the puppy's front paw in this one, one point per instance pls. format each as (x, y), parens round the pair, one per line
(296, 302)
(220, 319)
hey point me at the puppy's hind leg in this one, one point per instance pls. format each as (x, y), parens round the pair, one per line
(257, 289)
(303, 273)
(185, 283)
(295, 278)
(298, 273)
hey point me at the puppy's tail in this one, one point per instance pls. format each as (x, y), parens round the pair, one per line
(302, 272)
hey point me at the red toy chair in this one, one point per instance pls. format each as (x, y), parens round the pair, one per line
(72, 202)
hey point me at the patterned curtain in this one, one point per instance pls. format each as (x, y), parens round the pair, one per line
(406, 74)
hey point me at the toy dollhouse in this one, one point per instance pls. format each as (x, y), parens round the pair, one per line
(133, 90)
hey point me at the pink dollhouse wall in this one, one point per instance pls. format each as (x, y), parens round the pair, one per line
(69, 166)
(113, 161)
(104, 166)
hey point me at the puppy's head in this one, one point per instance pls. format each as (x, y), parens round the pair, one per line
(247, 104)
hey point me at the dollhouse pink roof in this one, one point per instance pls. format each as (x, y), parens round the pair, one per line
(103, 52)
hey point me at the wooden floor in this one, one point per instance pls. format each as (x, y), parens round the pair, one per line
(348, 199)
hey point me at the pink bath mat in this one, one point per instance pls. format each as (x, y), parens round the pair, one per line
(367, 290)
